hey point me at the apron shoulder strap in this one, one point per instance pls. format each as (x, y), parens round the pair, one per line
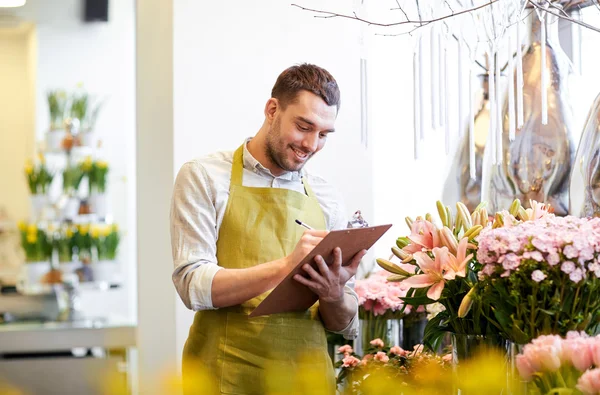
(307, 187)
(237, 171)
(237, 168)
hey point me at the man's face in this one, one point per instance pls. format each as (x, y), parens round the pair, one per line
(300, 131)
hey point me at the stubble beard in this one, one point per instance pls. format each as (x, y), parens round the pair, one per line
(275, 150)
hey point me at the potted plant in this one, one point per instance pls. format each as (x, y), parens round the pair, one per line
(39, 179)
(56, 105)
(72, 177)
(38, 249)
(97, 178)
(82, 242)
(85, 110)
(105, 239)
(64, 244)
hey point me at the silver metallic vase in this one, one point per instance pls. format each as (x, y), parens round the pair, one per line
(537, 164)
(584, 190)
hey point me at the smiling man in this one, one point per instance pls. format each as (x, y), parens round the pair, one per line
(234, 238)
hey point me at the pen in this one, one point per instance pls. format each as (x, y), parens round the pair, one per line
(303, 224)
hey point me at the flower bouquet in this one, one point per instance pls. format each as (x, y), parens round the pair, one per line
(441, 264)
(438, 265)
(554, 365)
(384, 366)
(541, 276)
(35, 243)
(379, 304)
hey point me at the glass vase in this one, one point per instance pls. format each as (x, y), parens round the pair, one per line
(488, 353)
(412, 333)
(388, 330)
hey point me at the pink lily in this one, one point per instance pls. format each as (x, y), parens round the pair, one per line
(457, 265)
(424, 235)
(434, 272)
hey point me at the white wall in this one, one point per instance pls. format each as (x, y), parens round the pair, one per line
(101, 56)
(227, 55)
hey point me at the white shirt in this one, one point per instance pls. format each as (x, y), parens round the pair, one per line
(198, 205)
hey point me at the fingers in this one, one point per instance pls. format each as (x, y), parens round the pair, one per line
(322, 265)
(313, 286)
(352, 268)
(316, 233)
(313, 273)
(337, 259)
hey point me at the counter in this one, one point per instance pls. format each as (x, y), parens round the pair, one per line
(55, 336)
(80, 357)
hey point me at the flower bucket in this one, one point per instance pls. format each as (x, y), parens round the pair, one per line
(98, 203)
(104, 271)
(88, 138)
(68, 267)
(32, 273)
(54, 139)
(38, 202)
(71, 208)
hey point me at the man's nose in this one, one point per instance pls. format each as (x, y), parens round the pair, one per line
(311, 142)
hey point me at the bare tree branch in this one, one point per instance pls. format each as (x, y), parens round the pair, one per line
(328, 14)
(401, 9)
(568, 18)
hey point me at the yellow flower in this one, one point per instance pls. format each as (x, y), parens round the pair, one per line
(95, 232)
(28, 167)
(41, 158)
(83, 229)
(101, 164)
(86, 165)
(32, 228)
(105, 230)
(32, 238)
(69, 232)
(22, 226)
(115, 228)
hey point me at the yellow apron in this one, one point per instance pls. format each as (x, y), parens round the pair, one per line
(280, 353)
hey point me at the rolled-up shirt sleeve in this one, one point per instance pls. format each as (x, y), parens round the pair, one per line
(340, 221)
(193, 237)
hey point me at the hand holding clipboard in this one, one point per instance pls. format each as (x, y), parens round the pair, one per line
(290, 295)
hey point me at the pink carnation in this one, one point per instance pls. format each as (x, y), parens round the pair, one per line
(398, 351)
(345, 349)
(382, 357)
(350, 361)
(377, 343)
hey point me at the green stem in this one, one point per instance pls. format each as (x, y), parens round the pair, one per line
(575, 302)
(532, 314)
(562, 291)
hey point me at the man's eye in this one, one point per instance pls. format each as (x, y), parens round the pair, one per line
(323, 135)
(303, 128)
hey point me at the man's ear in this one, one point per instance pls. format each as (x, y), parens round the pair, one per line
(271, 109)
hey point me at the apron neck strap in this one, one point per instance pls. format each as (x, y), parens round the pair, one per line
(237, 167)
(237, 170)
(307, 188)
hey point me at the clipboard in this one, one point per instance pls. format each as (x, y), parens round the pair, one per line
(291, 296)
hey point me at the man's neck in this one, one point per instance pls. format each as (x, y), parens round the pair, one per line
(256, 148)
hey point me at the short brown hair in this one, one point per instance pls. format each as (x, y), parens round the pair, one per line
(306, 77)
